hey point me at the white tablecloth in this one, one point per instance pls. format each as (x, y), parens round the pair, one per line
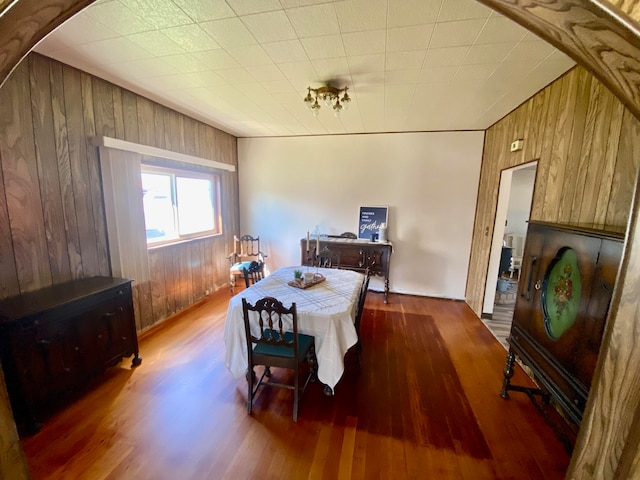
(325, 310)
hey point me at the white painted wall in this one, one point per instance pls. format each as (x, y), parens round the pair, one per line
(428, 180)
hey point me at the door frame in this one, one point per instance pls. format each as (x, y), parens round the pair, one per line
(502, 209)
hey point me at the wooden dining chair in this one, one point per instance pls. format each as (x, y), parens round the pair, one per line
(359, 309)
(276, 343)
(253, 273)
(328, 258)
(246, 250)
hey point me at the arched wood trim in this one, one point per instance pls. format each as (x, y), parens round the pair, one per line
(24, 23)
(595, 33)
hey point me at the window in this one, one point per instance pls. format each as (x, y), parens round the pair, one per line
(179, 204)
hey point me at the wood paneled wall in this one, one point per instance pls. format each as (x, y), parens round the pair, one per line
(52, 221)
(630, 7)
(588, 150)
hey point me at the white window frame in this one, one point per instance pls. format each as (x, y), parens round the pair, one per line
(174, 172)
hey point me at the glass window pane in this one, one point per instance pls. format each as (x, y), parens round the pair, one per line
(159, 214)
(195, 207)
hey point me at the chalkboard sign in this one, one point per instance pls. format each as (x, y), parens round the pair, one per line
(371, 218)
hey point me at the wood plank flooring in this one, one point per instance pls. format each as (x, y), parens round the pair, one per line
(500, 323)
(425, 404)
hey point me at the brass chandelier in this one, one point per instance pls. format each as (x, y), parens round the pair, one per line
(331, 98)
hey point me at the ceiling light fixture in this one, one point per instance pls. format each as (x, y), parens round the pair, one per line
(331, 98)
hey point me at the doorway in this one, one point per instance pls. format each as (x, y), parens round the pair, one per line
(512, 217)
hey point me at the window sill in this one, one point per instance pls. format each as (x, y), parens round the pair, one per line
(182, 242)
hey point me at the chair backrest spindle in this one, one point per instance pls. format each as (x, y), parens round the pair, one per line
(274, 319)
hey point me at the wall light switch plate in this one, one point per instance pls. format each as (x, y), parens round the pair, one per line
(516, 145)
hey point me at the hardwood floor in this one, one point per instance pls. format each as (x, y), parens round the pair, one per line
(424, 405)
(500, 322)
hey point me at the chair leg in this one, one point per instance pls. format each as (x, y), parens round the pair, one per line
(296, 394)
(313, 363)
(250, 377)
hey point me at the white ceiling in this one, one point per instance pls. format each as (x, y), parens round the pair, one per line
(245, 65)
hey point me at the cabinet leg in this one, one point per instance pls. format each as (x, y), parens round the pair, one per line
(508, 373)
(137, 360)
(386, 290)
(30, 427)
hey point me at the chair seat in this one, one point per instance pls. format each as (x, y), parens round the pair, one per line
(304, 343)
(239, 267)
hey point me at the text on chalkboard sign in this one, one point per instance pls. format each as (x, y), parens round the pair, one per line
(371, 220)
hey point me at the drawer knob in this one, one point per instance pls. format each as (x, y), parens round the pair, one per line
(113, 314)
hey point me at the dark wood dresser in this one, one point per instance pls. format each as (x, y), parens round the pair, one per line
(564, 292)
(355, 254)
(55, 340)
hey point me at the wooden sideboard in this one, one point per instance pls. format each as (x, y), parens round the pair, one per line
(564, 292)
(355, 254)
(55, 340)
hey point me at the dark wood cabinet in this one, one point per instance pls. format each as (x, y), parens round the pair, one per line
(564, 293)
(355, 254)
(55, 340)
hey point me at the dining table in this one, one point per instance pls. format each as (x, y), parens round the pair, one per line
(325, 310)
